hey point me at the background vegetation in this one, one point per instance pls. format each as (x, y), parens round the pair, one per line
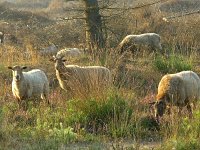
(123, 118)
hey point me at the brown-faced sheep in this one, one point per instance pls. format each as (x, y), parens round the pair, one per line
(29, 84)
(133, 42)
(82, 81)
(180, 89)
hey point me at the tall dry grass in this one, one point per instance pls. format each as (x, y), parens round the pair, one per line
(124, 112)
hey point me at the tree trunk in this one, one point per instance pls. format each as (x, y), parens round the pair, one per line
(94, 34)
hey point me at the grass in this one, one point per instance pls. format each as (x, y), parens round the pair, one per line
(123, 113)
(68, 120)
(173, 63)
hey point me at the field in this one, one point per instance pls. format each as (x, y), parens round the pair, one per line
(121, 118)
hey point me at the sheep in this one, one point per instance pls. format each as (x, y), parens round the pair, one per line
(82, 81)
(29, 84)
(69, 52)
(179, 89)
(51, 50)
(1, 37)
(132, 41)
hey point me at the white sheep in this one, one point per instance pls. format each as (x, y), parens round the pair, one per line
(49, 51)
(29, 84)
(131, 42)
(179, 89)
(69, 52)
(82, 81)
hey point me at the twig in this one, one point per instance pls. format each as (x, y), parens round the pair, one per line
(185, 14)
(111, 8)
(137, 7)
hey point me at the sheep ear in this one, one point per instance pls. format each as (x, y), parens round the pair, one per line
(51, 59)
(24, 67)
(10, 68)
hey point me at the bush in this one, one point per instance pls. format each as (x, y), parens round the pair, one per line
(101, 116)
(172, 64)
(149, 123)
(190, 144)
(186, 135)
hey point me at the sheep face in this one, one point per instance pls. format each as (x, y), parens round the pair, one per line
(159, 108)
(59, 62)
(17, 72)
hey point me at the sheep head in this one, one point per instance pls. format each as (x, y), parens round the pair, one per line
(159, 108)
(17, 72)
(59, 62)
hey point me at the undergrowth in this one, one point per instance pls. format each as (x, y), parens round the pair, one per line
(173, 63)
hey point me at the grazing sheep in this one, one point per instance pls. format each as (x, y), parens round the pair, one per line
(180, 89)
(82, 81)
(69, 52)
(132, 41)
(1, 37)
(49, 51)
(29, 84)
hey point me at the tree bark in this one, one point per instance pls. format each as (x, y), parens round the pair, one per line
(94, 33)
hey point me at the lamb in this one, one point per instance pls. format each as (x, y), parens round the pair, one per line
(29, 84)
(69, 52)
(179, 89)
(79, 81)
(132, 41)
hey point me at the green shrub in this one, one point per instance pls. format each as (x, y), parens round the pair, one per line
(192, 144)
(173, 63)
(187, 134)
(64, 135)
(181, 143)
(149, 123)
(190, 128)
(102, 116)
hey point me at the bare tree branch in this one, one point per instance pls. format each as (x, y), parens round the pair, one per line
(137, 7)
(185, 14)
(109, 8)
(119, 8)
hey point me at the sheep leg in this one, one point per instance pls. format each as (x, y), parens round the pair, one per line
(19, 103)
(168, 110)
(133, 50)
(44, 97)
(46, 93)
(189, 110)
(180, 111)
(47, 100)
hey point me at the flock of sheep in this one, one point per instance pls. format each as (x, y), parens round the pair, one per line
(180, 89)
